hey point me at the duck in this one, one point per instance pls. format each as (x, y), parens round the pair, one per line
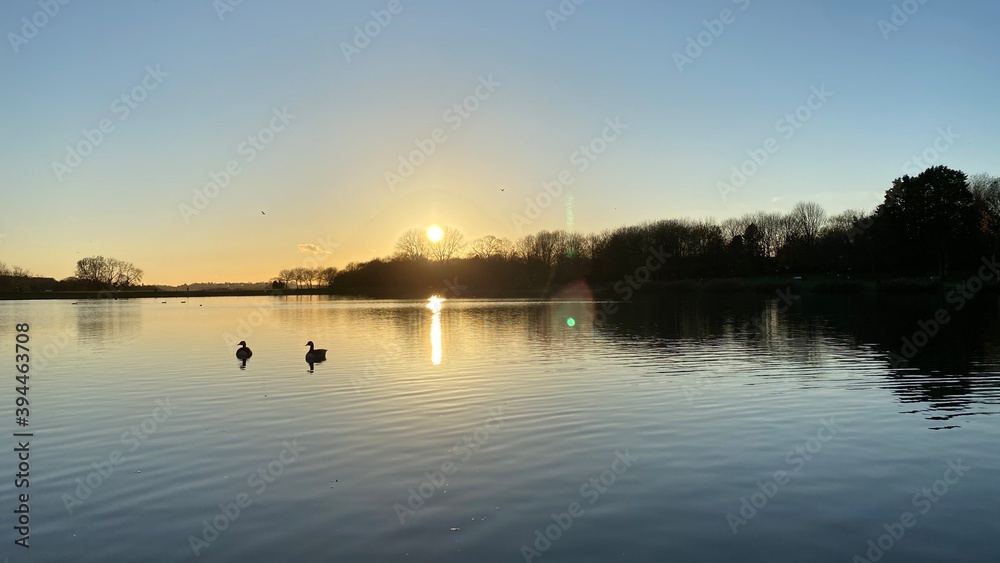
(315, 354)
(243, 352)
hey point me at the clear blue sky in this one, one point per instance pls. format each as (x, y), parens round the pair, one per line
(321, 180)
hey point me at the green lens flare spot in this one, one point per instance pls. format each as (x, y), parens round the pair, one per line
(571, 322)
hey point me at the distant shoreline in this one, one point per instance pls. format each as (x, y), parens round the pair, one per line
(400, 293)
(604, 291)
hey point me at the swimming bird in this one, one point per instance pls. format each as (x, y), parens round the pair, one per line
(243, 352)
(315, 354)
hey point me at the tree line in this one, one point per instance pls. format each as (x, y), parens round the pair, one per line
(92, 273)
(933, 224)
(305, 277)
(108, 272)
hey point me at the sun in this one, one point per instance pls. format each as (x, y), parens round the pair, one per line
(434, 233)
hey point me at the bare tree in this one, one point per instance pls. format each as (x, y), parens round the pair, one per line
(490, 247)
(736, 226)
(543, 247)
(771, 229)
(328, 275)
(450, 246)
(412, 245)
(19, 272)
(524, 247)
(596, 243)
(108, 271)
(806, 220)
(576, 246)
(125, 274)
(302, 276)
(986, 189)
(843, 224)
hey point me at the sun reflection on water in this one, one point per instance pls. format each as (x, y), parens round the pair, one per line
(434, 304)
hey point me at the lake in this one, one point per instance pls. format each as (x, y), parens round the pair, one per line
(694, 428)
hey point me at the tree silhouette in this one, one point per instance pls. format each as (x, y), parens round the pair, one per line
(937, 220)
(108, 272)
(490, 247)
(450, 246)
(928, 218)
(412, 245)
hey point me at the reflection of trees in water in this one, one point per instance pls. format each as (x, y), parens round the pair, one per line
(956, 368)
(108, 322)
(955, 372)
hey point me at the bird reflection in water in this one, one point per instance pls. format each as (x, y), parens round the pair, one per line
(434, 304)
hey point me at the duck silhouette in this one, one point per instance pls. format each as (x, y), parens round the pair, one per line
(243, 352)
(315, 355)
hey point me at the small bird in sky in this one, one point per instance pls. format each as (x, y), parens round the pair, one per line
(262, 213)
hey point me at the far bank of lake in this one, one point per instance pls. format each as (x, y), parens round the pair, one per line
(625, 288)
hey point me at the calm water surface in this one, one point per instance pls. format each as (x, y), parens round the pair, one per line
(695, 429)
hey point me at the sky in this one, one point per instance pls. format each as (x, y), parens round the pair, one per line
(227, 140)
